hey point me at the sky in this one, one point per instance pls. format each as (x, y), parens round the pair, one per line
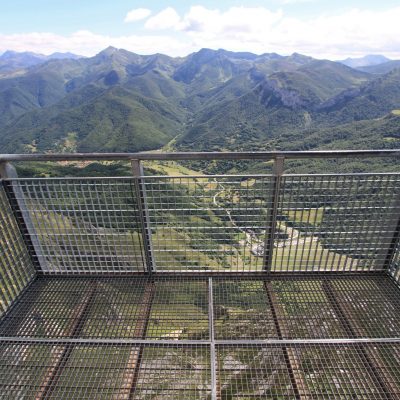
(333, 29)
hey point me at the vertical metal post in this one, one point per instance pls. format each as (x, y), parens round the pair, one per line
(395, 242)
(137, 170)
(215, 392)
(272, 214)
(18, 206)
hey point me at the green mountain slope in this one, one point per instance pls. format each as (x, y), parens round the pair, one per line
(383, 68)
(272, 105)
(377, 133)
(372, 100)
(209, 100)
(113, 120)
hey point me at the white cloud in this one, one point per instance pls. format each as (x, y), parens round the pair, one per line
(165, 19)
(235, 22)
(354, 32)
(87, 43)
(137, 14)
(290, 2)
(258, 29)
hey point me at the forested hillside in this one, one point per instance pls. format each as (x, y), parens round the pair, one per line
(209, 100)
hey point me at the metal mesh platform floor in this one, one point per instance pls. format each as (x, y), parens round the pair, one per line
(178, 308)
(304, 337)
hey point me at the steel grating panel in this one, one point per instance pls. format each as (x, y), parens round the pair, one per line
(317, 222)
(316, 371)
(174, 372)
(209, 223)
(336, 222)
(16, 268)
(178, 308)
(372, 305)
(242, 309)
(183, 371)
(85, 225)
(119, 307)
(117, 350)
(213, 223)
(111, 371)
(200, 287)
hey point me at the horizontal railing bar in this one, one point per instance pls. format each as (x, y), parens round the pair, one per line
(312, 272)
(201, 155)
(351, 212)
(115, 179)
(204, 228)
(127, 341)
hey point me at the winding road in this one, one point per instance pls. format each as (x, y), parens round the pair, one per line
(252, 241)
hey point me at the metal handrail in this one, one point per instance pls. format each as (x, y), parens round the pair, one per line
(101, 271)
(229, 155)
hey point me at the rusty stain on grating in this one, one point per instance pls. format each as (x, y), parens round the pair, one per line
(135, 354)
(59, 358)
(290, 357)
(347, 324)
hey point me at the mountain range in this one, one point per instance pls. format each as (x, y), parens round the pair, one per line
(13, 60)
(209, 100)
(366, 61)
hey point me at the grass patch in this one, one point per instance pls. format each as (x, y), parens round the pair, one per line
(312, 216)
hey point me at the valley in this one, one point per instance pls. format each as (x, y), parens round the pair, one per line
(212, 100)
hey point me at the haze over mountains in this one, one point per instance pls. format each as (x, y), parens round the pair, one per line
(366, 61)
(12, 60)
(209, 100)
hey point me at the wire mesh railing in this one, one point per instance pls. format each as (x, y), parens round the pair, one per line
(83, 225)
(203, 287)
(337, 222)
(214, 223)
(16, 269)
(211, 223)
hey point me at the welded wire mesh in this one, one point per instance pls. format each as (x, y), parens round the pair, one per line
(16, 269)
(215, 223)
(336, 222)
(178, 308)
(242, 310)
(174, 371)
(309, 371)
(118, 312)
(106, 371)
(306, 308)
(372, 305)
(89, 225)
(394, 267)
(322, 222)
(163, 336)
(119, 308)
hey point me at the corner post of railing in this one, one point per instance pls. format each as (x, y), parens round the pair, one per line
(394, 244)
(142, 203)
(270, 232)
(16, 199)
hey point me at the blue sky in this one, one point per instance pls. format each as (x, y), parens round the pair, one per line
(321, 28)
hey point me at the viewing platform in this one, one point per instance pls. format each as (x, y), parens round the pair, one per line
(199, 286)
